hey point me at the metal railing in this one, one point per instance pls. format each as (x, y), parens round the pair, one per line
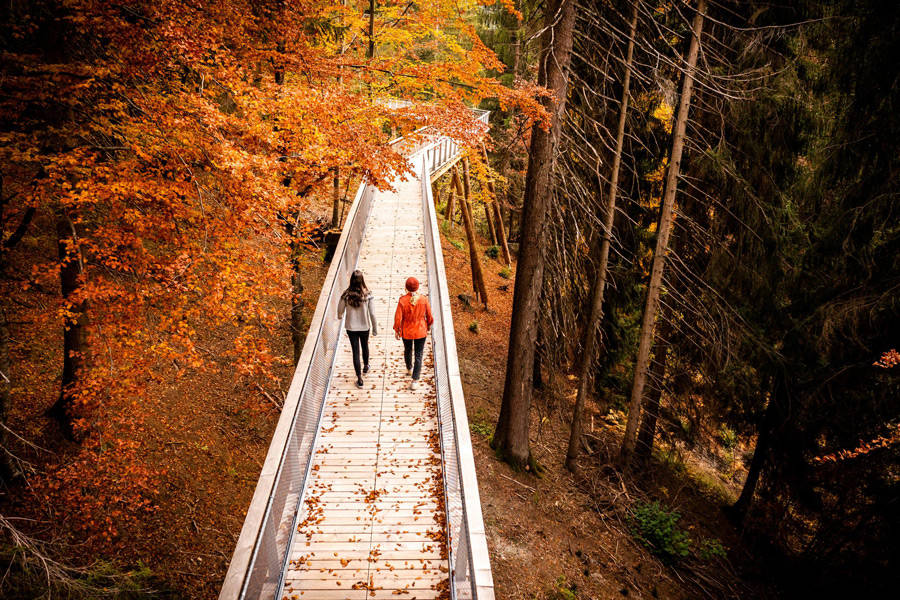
(470, 567)
(262, 551)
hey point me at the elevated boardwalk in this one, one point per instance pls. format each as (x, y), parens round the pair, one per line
(371, 492)
(372, 516)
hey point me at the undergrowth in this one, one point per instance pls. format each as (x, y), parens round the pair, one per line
(657, 529)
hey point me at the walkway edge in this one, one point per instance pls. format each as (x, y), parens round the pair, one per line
(483, 581)
(253, 521)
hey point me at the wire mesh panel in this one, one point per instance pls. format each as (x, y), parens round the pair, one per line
(262, 578)
(470, 576)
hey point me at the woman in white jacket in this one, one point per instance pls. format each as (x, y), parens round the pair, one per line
(358, 304)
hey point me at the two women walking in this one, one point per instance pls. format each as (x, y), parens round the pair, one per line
(412, 320)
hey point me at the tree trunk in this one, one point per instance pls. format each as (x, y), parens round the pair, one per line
(336, 199)
(647, 432)
(8, 469)
(297, 321)
(489, 218)
(74, 323)
(451, 198)
(498, 218)
(474, 252)
(511, 436)
(763, 441)
(370, 53)
(511, 214)
(537, 381)
(596, 315)
(662, 242)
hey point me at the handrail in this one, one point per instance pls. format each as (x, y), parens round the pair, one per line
(262, 553)
(470, 575)
(270, 517)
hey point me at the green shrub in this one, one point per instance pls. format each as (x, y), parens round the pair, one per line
(657, 529)
(711, 548)
(457, 244)
(505, 273)
(473, 326)
(562, 590)
(493, 251)
(727, 436)
(481, 428)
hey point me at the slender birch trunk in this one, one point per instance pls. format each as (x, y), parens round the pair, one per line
(590, 334)
(662, 242)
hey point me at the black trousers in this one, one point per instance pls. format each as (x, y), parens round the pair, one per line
(359, 339)
(408, 346)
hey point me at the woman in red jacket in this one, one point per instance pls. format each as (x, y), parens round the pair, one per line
(411, 322)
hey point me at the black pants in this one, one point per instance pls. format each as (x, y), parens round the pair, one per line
(357, 339)
(407, 355)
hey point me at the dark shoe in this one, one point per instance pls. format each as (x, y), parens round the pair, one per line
(366, 369)
(359, 383)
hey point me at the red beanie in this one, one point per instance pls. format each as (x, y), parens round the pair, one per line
(412, 284)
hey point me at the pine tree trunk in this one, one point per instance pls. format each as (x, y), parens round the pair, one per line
(511, 436)
(74, 324)
(537, 381)
(489, 218)
(763, 442)
(662, 242)
(474, 251)
(599, 288)
(647, 432)
(498, 218)
(511, 214)
(451, 200)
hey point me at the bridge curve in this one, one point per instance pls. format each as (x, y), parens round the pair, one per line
(372, 493)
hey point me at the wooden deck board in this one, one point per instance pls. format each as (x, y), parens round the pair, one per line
(369, 516)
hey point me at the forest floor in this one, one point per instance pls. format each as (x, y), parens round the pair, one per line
(554, 537)
(208, 429)
(561, 537)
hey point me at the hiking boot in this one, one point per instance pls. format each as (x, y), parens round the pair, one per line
(412, 385)
(366, 369)
(359, 383)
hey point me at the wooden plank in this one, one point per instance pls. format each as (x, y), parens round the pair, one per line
(370, 497)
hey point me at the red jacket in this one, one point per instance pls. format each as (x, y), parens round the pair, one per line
(412, 322)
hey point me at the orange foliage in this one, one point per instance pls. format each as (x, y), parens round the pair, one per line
(175, 140)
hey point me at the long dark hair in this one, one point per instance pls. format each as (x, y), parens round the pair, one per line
(357, 291)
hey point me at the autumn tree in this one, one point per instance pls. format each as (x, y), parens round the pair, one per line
(159, 160)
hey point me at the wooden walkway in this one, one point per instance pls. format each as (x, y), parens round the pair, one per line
(372, 520)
